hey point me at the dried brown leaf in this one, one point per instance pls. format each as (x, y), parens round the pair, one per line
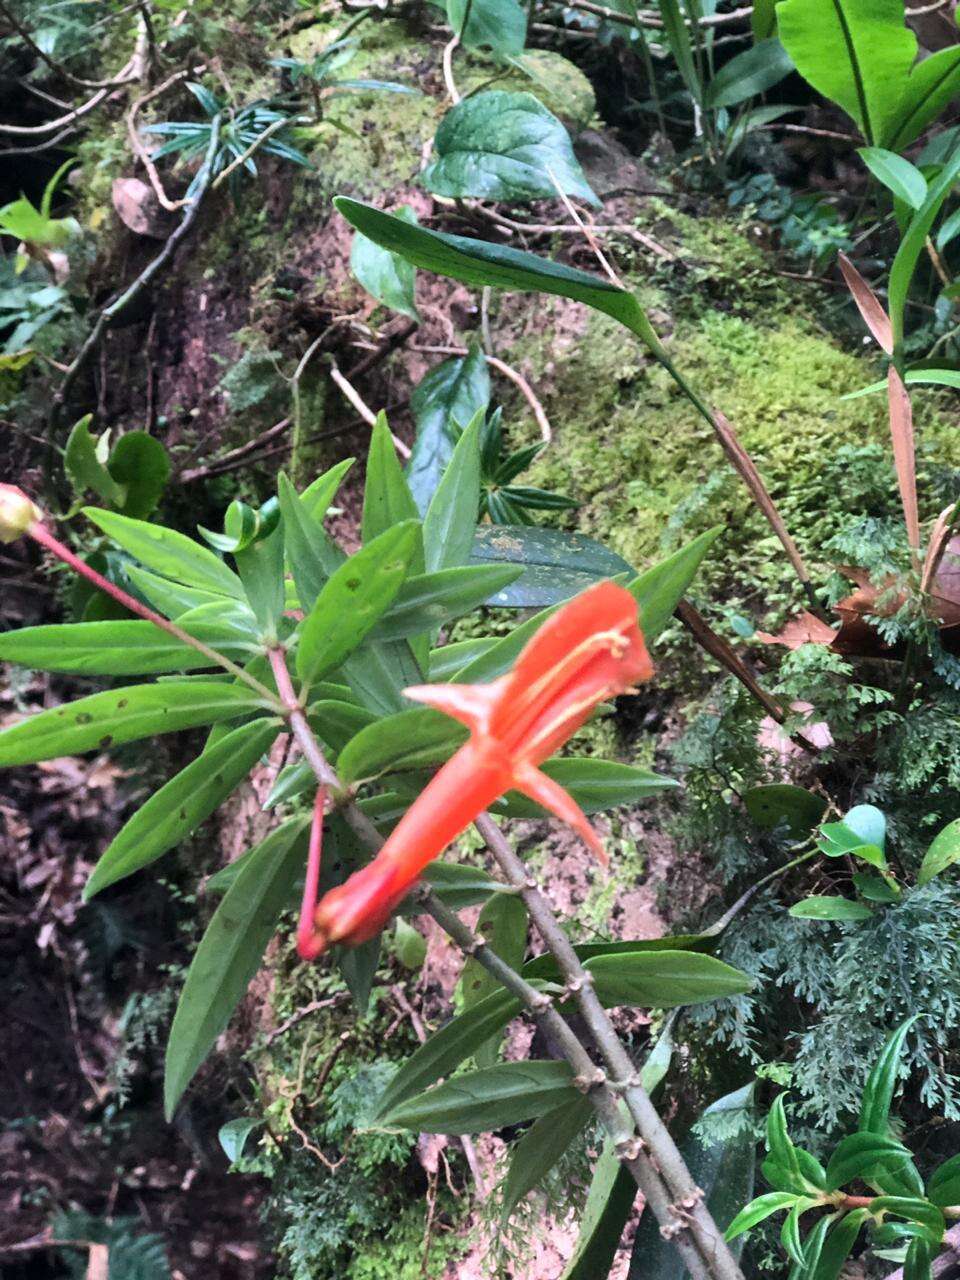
(806, 629)
(904, 453)
(868, 304)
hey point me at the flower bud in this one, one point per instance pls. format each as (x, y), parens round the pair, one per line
(17, 513)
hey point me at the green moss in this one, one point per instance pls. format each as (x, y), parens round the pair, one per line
(556, 81)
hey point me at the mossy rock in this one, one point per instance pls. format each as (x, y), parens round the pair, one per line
(553, 79)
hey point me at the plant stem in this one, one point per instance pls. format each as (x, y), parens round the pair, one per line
(704, 1263)
(42, 535)
(670, 1163)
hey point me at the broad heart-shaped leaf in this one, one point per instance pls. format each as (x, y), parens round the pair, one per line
(944, 849)
(557, 565)
(827, 907)
(451, 519)
(664, 979)
(169, 553)
(781, 802)
(230, 952)
(856, 52)
(447, 397)
(353, 600)
(119, 648)
(596, 785)
(444, 1051)
(84, 467)
(429, 600)
(177, 808)
(898, 175)
(123, 715)
(481, 1101)
(932, 84)
(504, 146)
(497, 25)
(541, 1147)
(860, 1153)
(140, 463)
(725, 1171)
(503, 926)
(749, 73)
(387, 499)
(878, 1091)
(385, 276)
(479, 263)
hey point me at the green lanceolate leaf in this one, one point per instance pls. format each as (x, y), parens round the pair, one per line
(915, 1210)
(881, 1082)
(118, 648)
(596, 785)
(859, 1153)
(837, 1246)
(790, 1231)
(460, 886)
(447, 1048)
(353, 600)
(609, 1201)
(230, 952)
(387, 499)
(169, 553)
(451, 519)
(781, 803)
(932, 84)
(944, 850)
(497, 25)
(827, 907)
(479, 263)
(541, 1147)
(556, 564)
(944, 1185)
(916, 1265)
(312, 556)
(386, 276)
(430, 600)
(913, 242)
(678, 41)
(749, 73)
(758, 1210)
(108, 719)
(481, 1101)
(446, 399)
(504, 146)
(783, 1153)
(180, 806)
(664, 979)
(659, 589)
(898, 175)
(856, 52)
(503, 926)
(408, 740)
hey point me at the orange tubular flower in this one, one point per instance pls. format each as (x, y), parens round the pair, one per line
(590, 650)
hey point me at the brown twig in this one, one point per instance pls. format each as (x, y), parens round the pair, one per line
(718, 648)
(140, 150)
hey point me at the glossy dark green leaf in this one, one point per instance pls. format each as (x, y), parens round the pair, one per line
(596, 785)
(944, 849)
(459, 885)
(178, 808)
(875, 888)
(838, 1244)
(449, 396)
(541, 1147)
(659, 589)
(108, 719)
(230, 952)
(917, 1264)
(556, 564)
(358, 968)
(353, 600)
(408, 740)
(783, 1153)
(385, 275)
(932, 84)
(498, 145)
(447, 1048)
(781, 802)
(944, 1186)
(749, 73)
(86, 469)
(139, 462)
(503, 926)
(758, 1210)
(859, 1153)
(790, 1231)
(826, 907)
(664, 979)
(122, 648)
(914, 1209)
(451, 519)
(497, 25)
(481, 1101)
(881, 1082)
(609, 1201)
(168, 553)
(430, 600)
